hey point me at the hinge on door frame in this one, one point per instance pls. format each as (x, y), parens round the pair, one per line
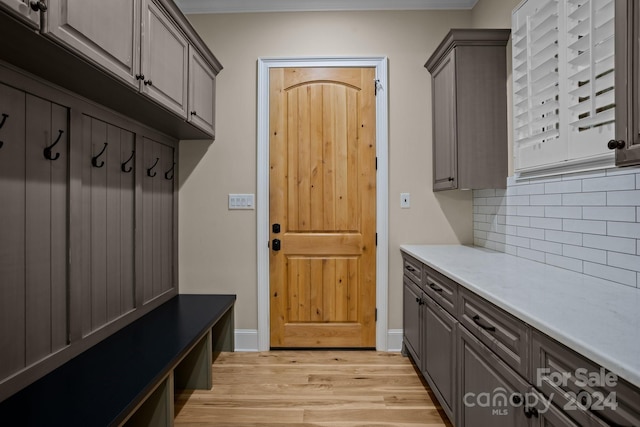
(376, 84)
(376, 239)
(376, 163)
(376, 314)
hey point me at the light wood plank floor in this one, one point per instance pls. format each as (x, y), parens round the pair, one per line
(311, 388)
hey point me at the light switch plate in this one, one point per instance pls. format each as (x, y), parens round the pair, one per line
(241, 201)
(405, 200)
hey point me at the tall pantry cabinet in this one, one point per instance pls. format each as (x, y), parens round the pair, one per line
(88, 170)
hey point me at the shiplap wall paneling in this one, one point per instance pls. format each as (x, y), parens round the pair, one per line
(12, 219)
(157, 219)
(108, 224)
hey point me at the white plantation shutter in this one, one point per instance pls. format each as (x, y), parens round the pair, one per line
(563, 105)
(590, 75)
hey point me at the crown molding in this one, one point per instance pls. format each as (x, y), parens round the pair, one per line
(245, 6)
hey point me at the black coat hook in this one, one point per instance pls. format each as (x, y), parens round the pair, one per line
(47, 151)
(4, 119)
(123, 167)
(166, 174)
(94, 159)
(149, 174)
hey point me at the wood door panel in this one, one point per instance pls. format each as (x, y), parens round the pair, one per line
(322, 193)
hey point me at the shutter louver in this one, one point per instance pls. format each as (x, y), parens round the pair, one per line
(563, 80)
(590, 74)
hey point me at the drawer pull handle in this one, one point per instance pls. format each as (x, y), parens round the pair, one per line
(476, 320)
(530, 412)
(419, 301)
(411, 269)
(435, 287)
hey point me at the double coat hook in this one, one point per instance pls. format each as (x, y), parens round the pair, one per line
(4, 119)
(47, 151)
(166, 174)
(149, 174)
(124, 167)
(94, 159)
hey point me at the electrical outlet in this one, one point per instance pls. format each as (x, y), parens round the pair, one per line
(405, 200)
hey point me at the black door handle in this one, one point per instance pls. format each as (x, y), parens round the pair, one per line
(275, 245)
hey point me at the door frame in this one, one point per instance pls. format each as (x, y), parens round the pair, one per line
(382, 185)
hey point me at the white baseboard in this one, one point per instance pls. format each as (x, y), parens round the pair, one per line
(394, 340)
(247, 340)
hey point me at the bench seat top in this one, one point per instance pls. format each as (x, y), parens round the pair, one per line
(102, 385)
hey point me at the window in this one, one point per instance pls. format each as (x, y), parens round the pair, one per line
(563, 84)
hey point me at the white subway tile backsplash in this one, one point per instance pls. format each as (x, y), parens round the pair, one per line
(583, 226)
(574, 212)
(546, 223)
(574, 186)
(564, 262)
(585, 254)
(609, 183)
(616, 244)
(587, 222)
(530, 211)
(532, 255)
(624, 229)
(544, 246)
(585, 199)
(619, 275)
(628, 262)
(546, 200)
(610, 213)
(623, 198)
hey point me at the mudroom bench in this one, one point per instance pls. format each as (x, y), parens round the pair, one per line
(129, 378)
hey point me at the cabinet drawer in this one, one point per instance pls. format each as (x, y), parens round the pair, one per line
(507, 336)
(442, 289)
(577, 383)
(412, 269)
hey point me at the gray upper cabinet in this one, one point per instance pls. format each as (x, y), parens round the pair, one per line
(164, 59)
(105, 32)
(469, 95)
(26, 11)
(627, 142)
(202, 92)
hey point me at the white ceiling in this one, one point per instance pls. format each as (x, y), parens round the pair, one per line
(235, 6)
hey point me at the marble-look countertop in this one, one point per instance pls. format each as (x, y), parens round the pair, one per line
(594, 317)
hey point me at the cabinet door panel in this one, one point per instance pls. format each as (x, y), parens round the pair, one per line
(411, 320)
(440, 353)
(164, 60)
(444, 114)
(202, 92)
(483, 378)
(45, 270)
(12, 220)
(105, 32)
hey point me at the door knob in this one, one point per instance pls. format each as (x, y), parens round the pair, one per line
(275, 228)
(275, 245)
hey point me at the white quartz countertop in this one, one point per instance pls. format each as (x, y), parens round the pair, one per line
(594, 317)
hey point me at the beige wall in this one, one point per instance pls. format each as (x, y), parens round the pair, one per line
(218, 246)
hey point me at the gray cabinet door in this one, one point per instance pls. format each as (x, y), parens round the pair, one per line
(444, 124)
(165, 59)
(439, 361)
(158, 220)
(412, 320)
(33, 229)
(202, 92)
(627, 82)
(22, 10)
(107, 223)
(487, 387)
(105, 32)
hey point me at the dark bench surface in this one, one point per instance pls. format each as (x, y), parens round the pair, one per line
(102, 385)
